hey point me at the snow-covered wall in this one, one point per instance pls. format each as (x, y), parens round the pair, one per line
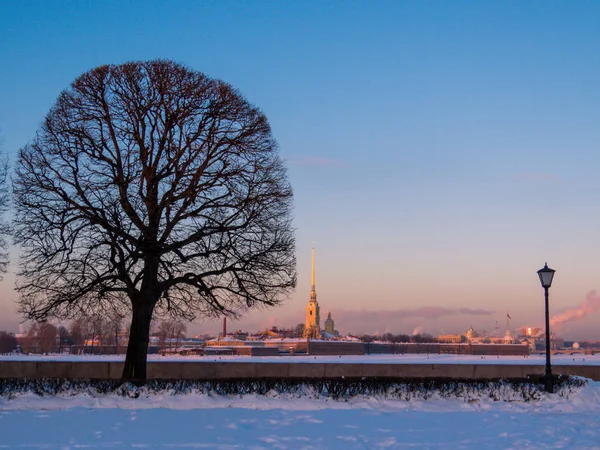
(252, 369)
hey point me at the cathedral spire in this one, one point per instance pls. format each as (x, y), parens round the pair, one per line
(312, 329)
(313, 267)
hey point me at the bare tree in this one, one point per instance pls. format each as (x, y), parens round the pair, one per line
(161, 334)
(79, 331)
(91, 330)
(8, 342)
(170, 333)
(98, 330)
(114, 325)
(178, 332)
(4, 205)
(299, 330)
(29, 342)
(46, 337)
(64, 338)
(155, 187)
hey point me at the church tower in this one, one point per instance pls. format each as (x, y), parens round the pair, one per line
(312, 328)
(330, 325)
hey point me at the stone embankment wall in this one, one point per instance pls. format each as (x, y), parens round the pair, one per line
(360, 348)
(334, 348)
(452, 349)
(285, 346)
(195, 370)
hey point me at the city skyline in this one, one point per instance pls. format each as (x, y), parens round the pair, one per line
(439, 153)
(420, 320)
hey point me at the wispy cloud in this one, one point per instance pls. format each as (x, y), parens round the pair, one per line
(426, 312)
(398, 320)
(314, 161)
(536, 177)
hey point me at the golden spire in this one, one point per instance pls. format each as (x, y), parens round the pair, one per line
(313, 266)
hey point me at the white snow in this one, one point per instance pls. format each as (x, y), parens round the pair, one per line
(291, 422)
(288, 429)
(260, 422)
(592, 360)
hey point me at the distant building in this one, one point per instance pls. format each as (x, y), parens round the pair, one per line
(508, 339)
(452, 338)
(330, 326)
(535, 337)
(272, 333)
(529, 332)
(474, 337)
(240, 335)
(227, 341)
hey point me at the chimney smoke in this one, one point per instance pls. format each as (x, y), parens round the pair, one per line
(590, 306)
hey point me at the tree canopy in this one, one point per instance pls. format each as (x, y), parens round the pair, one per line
(157, 188)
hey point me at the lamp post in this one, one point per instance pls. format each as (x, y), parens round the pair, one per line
(546, 274)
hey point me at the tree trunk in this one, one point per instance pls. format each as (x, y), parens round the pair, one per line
(137, 348)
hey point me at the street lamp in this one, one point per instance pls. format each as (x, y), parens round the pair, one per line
(546, 274)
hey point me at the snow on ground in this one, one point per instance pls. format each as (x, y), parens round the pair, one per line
(285, 429)
(592, 360)
(287, 422)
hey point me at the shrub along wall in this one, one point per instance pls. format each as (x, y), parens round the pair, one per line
(337, 389)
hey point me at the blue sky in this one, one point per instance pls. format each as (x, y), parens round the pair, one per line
(440, 152)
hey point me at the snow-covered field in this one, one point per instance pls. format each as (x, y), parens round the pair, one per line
(592, 360)
(293, 422)
(474, 427)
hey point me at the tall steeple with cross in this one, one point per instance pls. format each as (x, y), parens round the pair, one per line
(313, 311)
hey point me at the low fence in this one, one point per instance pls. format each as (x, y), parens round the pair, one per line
(194, 370)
